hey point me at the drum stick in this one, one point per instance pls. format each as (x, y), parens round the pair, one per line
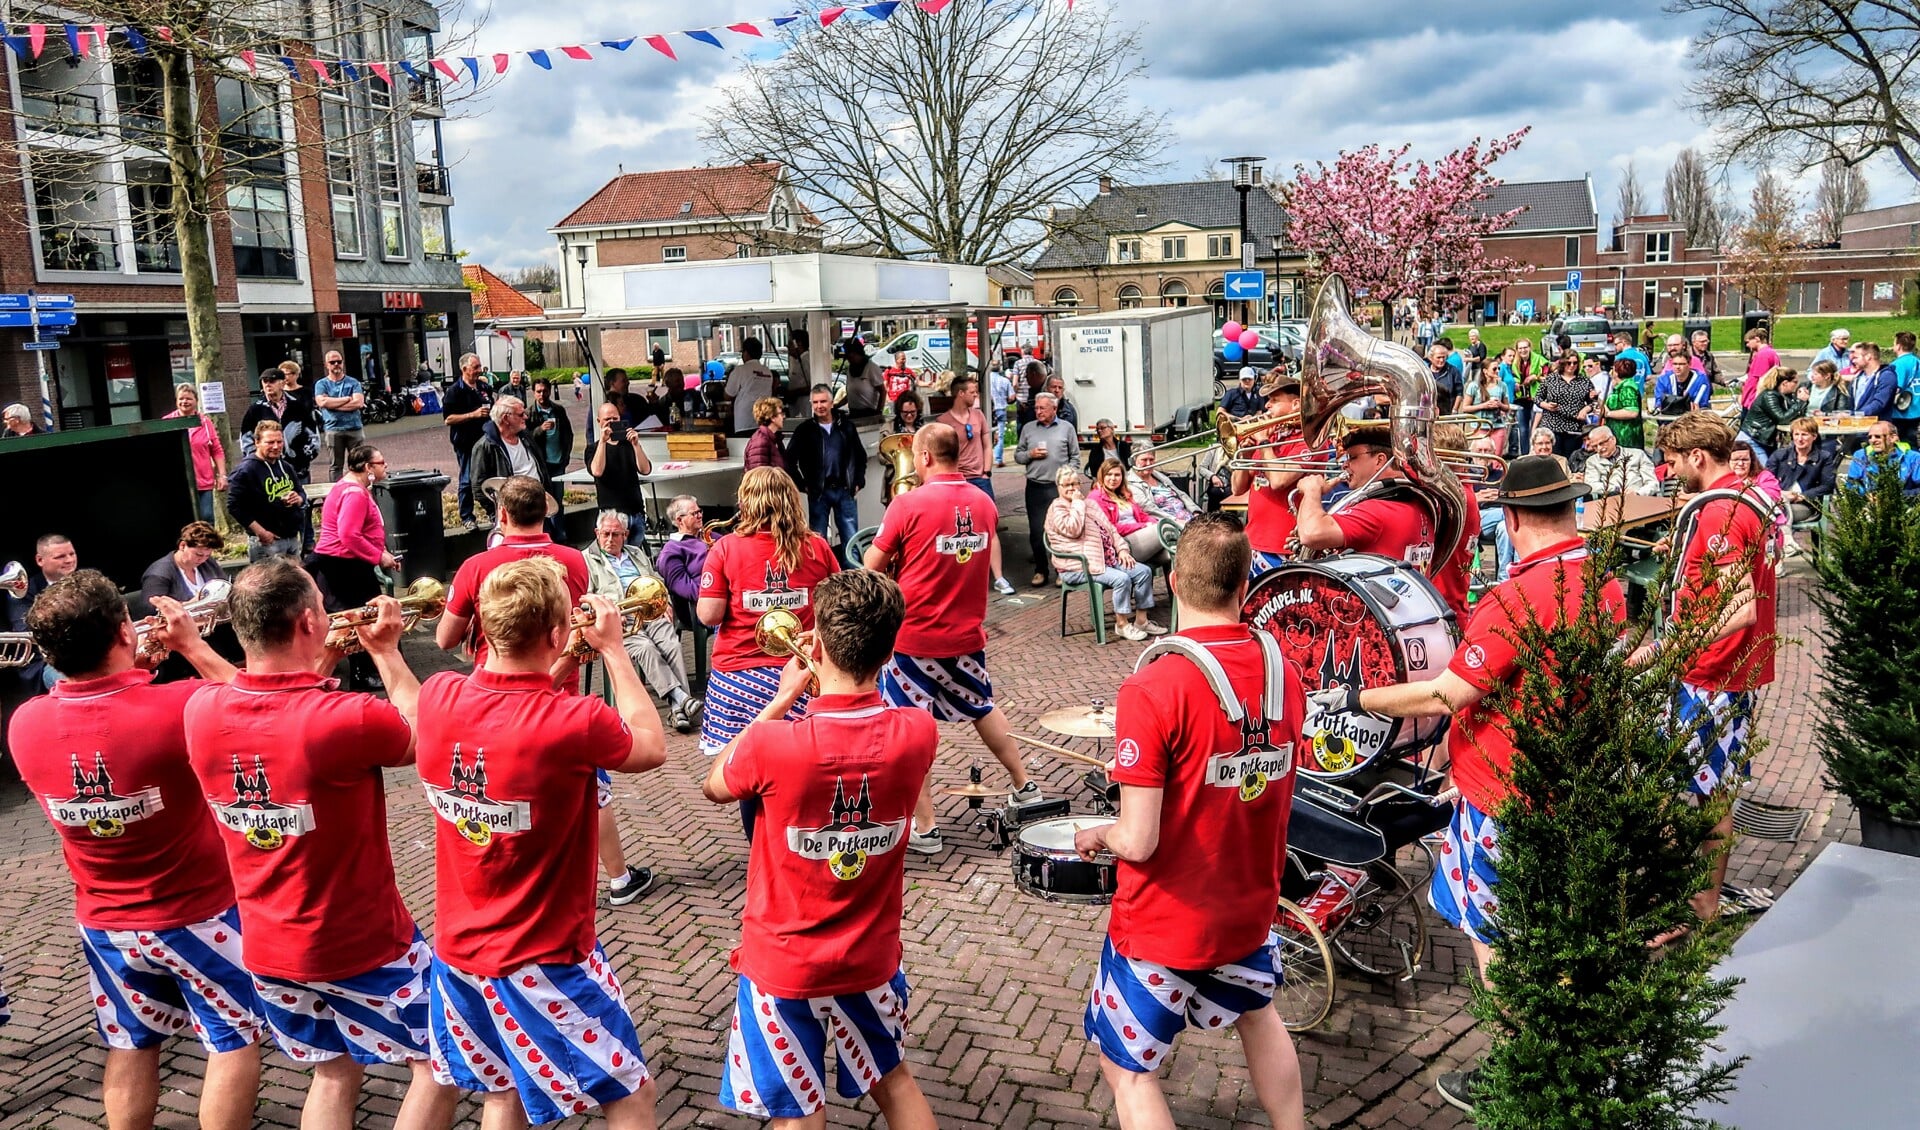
(1061, 750)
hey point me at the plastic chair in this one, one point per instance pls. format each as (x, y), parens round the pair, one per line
(862, 541)
(1170, 531)
(1816, 525)
(1092, 587)
(685, 619)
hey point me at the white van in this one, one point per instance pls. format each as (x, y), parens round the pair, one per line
(927, 350)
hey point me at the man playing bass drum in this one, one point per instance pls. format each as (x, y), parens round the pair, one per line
(1398, 528)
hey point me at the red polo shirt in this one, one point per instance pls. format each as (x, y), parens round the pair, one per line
(1730, 537)
(1206, 895)
(107, 760)
(1391, 528)
(939, 536)
(1453, 578)
(292, 768)
(827, 868)
(508, 764)
(745, 572)
(1270, 518)
(1542, 588)
(464, 594)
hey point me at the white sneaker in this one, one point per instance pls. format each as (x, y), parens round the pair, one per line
(1129, 632)
(1153, 629)
(1002, 586)
(1028, 793)
(927, 843)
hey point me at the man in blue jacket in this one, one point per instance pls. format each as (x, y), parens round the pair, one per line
(1873, 385)
(830, 467)
(1883, 446)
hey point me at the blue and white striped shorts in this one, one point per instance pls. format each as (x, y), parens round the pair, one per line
(1719, 720)
(734, 700)
(1137, 1008)
(379, 1016)
(1463, 877)
(952, 690)
(151, 984)
(777, 1053)
(558, 1034)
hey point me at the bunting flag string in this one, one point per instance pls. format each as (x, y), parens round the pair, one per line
(84, 40)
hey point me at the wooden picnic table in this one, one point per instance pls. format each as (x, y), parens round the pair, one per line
(1627, 511)
(1858, 426)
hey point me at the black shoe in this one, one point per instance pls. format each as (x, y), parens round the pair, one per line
(1457, 1088)
(636, 882)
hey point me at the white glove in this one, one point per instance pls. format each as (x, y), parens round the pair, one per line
(1336, 700)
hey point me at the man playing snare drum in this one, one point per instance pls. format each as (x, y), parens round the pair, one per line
(1546, 580)
(1206, 787)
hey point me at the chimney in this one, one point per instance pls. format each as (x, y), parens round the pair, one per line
(1106, 184)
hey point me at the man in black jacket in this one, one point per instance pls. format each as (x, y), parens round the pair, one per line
(264, 495)
(830, 466)
(504, 451)
(299, 433)
(465, 414)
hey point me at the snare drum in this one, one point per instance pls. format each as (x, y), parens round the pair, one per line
(1356, 618)
(1045, 864)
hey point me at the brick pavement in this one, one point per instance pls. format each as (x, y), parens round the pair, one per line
(998, 978)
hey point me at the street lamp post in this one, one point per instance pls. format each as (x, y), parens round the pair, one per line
(1246, 174)
(580, 257)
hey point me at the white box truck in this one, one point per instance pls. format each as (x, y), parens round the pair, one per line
(1146, 370)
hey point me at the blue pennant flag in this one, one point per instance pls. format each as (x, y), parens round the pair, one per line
(618, 44)
(705, 37)
(411, 72)
(293, 68)
(783, 21)
(352, 72)
(136, 41)
(473, 67)
(881, 11)
(19, 44)
(73, 40)
(539, 59)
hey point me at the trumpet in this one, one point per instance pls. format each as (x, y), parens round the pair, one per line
(17, 649)
(645, 599)
(778, 633)
(209, 611)
(13, 580)
(424, 601)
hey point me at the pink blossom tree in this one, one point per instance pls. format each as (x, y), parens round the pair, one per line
(1395, 229)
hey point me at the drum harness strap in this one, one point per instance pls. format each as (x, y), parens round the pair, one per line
(1273, 700)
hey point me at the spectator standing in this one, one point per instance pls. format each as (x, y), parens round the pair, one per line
(767, 447)
(1001, 386)
(515, 386)
(1107, 447)
(799, 375)
(1046, 444)
(352, 544)
(1485, 395)
(691, 403)
(465, 406)
(1701, 354)
(299, 441)
(1906, 388)
(264, 495)
(1873, 384)
(829, 465)
(1625, 350)
(551, 430)
(749, 383)
(866, 386)
(1839, 345)
(899, 378)
(1241, 401)
(1565, 397)
(1622, 407)
(18, 421)
(203, 443)
(1476, 353)
(1762, 360)
(1446, 380)
(1058, 388)
(1526, 380)
(339, 399)
(658, 357)
(617, 464)
(505, 450)
(1033, 380)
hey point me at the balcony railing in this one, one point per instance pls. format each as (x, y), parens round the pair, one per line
(423, 93)
(75, 247)
(432, 180)
(63, 111)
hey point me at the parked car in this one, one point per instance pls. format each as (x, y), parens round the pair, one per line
(1590, 334)
(1275, 341)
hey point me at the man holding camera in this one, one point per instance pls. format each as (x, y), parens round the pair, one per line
(616, 463)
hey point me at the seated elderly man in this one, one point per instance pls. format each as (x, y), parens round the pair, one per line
(1612, 469)
(1155, 490)
(612, 565)
(1883, 444)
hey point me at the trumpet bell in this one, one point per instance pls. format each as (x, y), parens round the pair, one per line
(778, 633)
(646, 599)
(13, 581)
(426, 598)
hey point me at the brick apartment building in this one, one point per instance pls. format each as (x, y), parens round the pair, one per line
(680, 216)
(342, 212)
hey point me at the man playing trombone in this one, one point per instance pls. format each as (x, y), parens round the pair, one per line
(1270, 517)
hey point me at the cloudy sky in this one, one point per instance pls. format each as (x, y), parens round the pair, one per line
(1297, 82)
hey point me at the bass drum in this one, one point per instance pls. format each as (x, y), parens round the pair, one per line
(1356, 618)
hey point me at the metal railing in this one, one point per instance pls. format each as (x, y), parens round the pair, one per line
(423, 93)
(78, 247)
(62, 110)
(432, 180)
(161, 257)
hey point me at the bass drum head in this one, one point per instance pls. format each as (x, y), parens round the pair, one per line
(1363, 620)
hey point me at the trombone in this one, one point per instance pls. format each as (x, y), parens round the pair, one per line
(17, 649)
(209, 610)
(424, 601)
(712, 531)
(778, 634)
(645, 599)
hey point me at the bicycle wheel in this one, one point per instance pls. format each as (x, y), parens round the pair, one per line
(1386, 935)
(1304, 996)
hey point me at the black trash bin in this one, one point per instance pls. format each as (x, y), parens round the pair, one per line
(1697, 325)
(409, 502)
(1755, 319)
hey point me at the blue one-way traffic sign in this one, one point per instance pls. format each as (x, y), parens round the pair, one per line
(1246, 284)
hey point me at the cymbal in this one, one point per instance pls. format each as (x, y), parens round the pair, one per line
(976, 788)
(1080, 721)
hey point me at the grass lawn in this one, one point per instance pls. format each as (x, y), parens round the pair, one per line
(1789, 334)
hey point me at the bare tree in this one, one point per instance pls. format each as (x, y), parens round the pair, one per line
(539, 277)
(1842, 192)
(1691, 200)
(953, 136)
(1808, 80)
(1766, 250)
(1630, 198)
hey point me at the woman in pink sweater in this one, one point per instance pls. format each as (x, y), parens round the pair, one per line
(203, 440)
(1115, 499)
(352, 542)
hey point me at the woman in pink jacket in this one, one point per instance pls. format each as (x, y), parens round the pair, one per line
(1115, 499)
(353, 541)
(1075, 526)
(203, 440)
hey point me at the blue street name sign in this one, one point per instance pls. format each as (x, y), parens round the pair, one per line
(23, 318)
(1246, 284)
(39, 345)
(1573, 280)
(29, 301)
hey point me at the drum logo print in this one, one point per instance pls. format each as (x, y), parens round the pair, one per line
(1255, 765)
(95, 805)
(464, 803)
(850, 837)
(262, 821)
(1340, 741)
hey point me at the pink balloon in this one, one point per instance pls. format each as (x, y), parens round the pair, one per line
(1250, 339)
(1231, 331)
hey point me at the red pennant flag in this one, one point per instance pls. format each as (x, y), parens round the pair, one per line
(165, 33)
(580, 53)
(745, 29)
(247, 57)
(320, 71)
(500, 62)
(82, 42)
(828, 15)
(934, 7)
(380, 69)
(100, 36)
(37, 37)
(446, 68)
(659, 43)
